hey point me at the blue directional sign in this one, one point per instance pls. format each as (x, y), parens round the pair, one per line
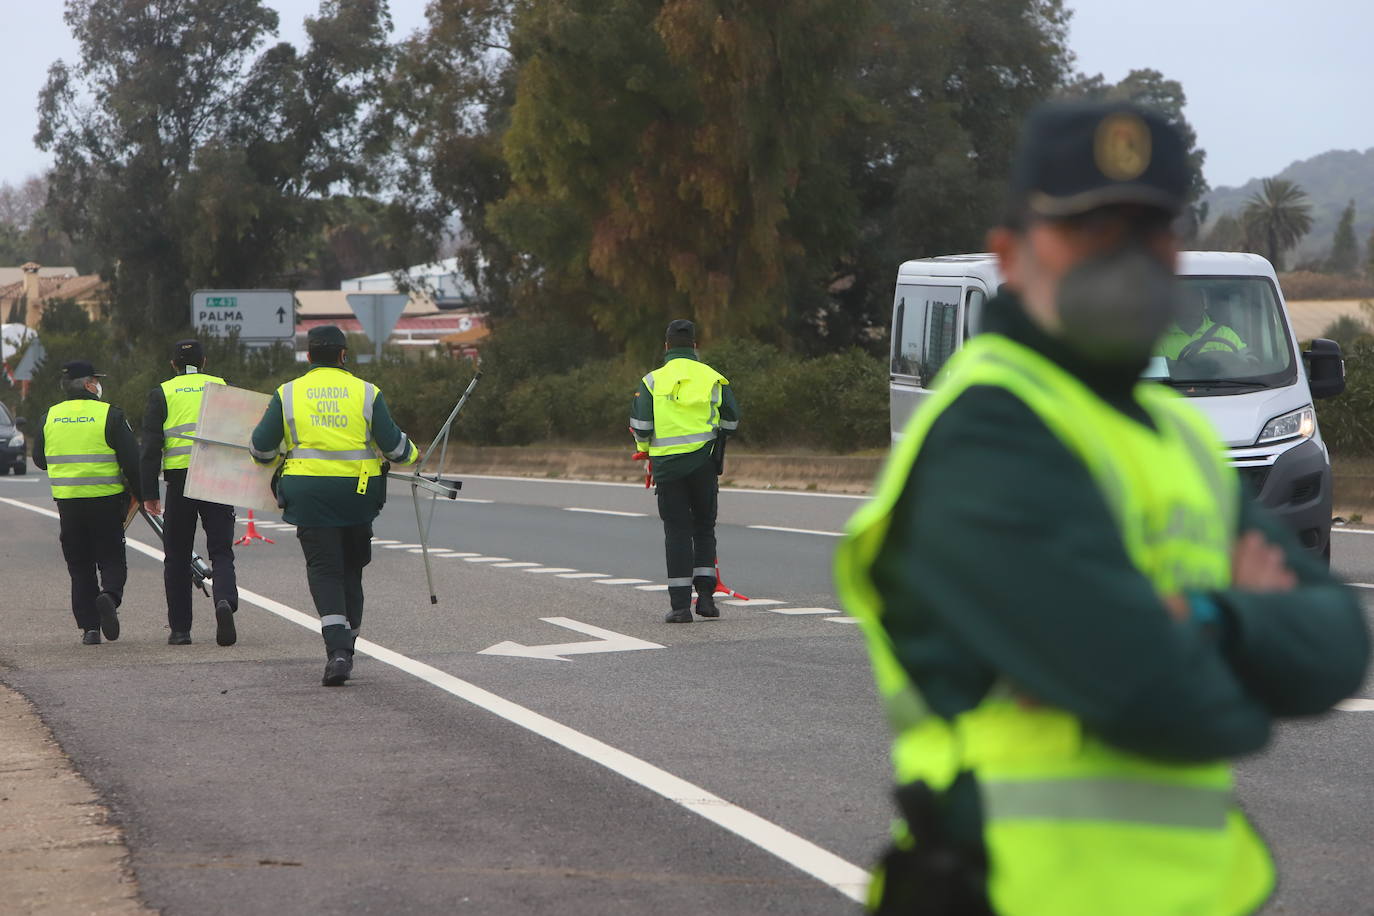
(262, 315)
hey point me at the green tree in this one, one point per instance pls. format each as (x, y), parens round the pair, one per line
(1369, 257)
(1276, 218)
(186, 160)
(1345, 252)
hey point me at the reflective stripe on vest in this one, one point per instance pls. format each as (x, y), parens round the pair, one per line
(81, 464)
(327, 415)
(183, 395)
(1072, 825)
(687, 395)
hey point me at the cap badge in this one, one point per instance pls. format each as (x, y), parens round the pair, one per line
(1122, 146)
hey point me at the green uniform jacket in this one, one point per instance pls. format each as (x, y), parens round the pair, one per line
(329, 502)
(1004, 563)
(675, 467)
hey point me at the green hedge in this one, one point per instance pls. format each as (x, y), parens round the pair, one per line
(1346, 420)
(539, 384)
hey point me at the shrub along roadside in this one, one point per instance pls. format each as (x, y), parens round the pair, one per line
(539, 384)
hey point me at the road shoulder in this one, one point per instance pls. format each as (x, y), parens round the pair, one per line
(59, 852)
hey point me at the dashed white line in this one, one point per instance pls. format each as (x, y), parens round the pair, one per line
(621, 581)
(827, 534)
(652, 588)
(823, 865)
(842, 619)
(399, 546)
(582, 575)
(481, 559)
(798, 610)
(460, 555)
(754, 602)
(517, 564)
(606, 512)
(1356, 704)
(468, 499)
(380, 542)
(554, 570)
(640, 486)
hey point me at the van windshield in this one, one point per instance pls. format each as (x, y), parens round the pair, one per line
(1230, 335)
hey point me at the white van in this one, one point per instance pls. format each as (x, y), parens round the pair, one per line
(1258, 393)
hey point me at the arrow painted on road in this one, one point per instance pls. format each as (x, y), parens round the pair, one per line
(605, 641)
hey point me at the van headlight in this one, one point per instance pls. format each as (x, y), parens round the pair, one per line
(1299, 424)
(17, 440)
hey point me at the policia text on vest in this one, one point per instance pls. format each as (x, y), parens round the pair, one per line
(169, 417)
(334, 430)
(680, 415)
(91, 457)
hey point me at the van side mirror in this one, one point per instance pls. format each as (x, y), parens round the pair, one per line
(1325, 368)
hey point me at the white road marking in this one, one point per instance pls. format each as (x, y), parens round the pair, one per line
(1352, 530)
(640, 486)
(621, 581)
(380, 542)
(606, 512)
(842, 619)
(517, 564)
(399, 546)
(800, 610)
(466, 499)
(652, 588)
(551, 569)
(481, 559)
(1356, 704)
(754, 602)
(605, 641)
(821, 864)
(457, 554)
(828, 534)
(581, 575)
(1360, 584)
(21, 479)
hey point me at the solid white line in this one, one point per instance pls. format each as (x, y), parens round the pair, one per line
(1356, 704)
(605, 512)
(21, 480)
(381, 542)
(652, 588)
(753, 602)
(823, 865)
(579, 575)
(1360, 584)
(620, 581)
(842, 619)
(640, 486)
(400, 546)
(1352, 530)
(465, 499)
(799, 610)
(828, 534)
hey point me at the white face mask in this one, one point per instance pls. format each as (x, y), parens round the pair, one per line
(99, 390)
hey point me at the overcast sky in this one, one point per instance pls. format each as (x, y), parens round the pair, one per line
(1267, 83)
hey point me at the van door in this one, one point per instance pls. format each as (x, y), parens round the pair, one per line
(927, 327)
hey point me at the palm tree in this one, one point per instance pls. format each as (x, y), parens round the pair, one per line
(1276, 218)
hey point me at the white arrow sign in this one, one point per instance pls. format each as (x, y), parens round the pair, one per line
(606, 641)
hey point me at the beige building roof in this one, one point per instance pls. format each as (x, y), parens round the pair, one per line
(1313, 316)
(333, 303)
(10, 275)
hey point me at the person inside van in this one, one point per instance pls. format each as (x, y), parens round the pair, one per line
(1195, 332)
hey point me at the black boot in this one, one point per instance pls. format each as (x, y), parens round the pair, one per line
(109, 617)
(338, 669)
(706, 606)
(679, 615)
(90, 638)
(179, 638)
(225, 633)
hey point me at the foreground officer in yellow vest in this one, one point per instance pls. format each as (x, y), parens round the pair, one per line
(1075, 618)
(86, 446)
(170, 416)
(331, 426)
(680, 415)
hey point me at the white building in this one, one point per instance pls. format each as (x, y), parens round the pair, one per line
(441, 280)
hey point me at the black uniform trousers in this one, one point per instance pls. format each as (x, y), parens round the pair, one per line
(688, 509)
(92, 535)
(179, 516)
(334, 561)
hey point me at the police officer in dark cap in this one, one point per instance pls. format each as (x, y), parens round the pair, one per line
(335, 431)
(1076, 618)
(169, 419)
(91, 457)
(680, 416)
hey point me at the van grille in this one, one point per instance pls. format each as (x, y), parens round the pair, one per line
(1254, 478)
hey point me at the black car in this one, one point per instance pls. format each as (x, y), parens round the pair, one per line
(13, 450)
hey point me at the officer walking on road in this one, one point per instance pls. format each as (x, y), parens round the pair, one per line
(332, 485)
(1074, 615)
(86, 446)
(170, 416)
(680, 416)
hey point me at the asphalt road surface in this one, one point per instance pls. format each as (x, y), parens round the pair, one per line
(539, 741)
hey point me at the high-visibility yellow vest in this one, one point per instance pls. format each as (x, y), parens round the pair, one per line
(184, 394)
(81, 463)
(1072, 825)
(687, 396)
(327, 414)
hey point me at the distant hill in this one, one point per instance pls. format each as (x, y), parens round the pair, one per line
(1331, 180)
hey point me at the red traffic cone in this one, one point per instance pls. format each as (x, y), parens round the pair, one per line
(251, 534)
(723, 589)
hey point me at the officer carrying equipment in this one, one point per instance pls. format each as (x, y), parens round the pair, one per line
(1071, 636)
(169, 425)
(679, 417)
(89, 452)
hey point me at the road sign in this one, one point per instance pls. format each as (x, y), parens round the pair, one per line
(378, 314)
(605, 641)
(253, 314)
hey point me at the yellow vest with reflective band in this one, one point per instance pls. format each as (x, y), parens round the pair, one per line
(328, 418)
(687, 397)
(81, 463)
(184, 394)
(1072, 825)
